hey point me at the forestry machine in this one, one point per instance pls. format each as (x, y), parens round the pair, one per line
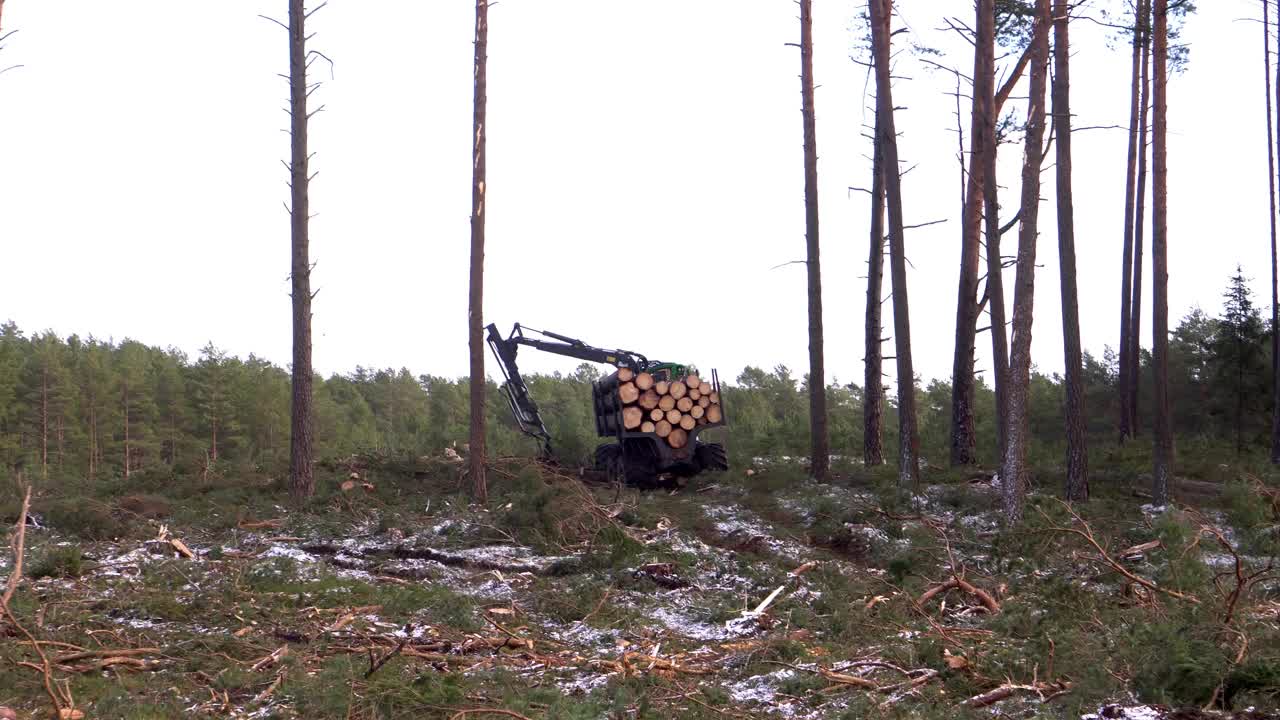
(637, 458)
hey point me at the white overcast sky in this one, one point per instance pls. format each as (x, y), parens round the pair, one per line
(645, 177)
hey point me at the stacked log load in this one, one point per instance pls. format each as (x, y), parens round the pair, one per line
(667, 408)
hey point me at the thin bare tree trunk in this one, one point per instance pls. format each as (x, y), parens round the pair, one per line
(963, 439)
(995, 289)
(1160, 261)
(873, 394)
(301, 478)
(887, 139)
(1077, 485)
(44, 421)
(1275, 271)
(1139, 225)
(1126, 263)
(126, 430)
(475, 309)
(821, 453)
(1013, 473)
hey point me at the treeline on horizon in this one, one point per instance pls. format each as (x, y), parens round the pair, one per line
(87, 409)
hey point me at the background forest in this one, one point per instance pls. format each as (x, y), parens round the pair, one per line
(74, 409)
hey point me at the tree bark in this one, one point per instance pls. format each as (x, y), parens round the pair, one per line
(887, 139)
(995, 269)
(820, 453)
(963, 439)
(1275, 270)
(873, 382)
(301, 477)
(1139, 227)
(1013, 473)
(475, 307)
(1126, 262)
(1160, 261)
(1077, 484)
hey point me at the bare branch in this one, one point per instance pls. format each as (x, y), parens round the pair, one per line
(265, 17)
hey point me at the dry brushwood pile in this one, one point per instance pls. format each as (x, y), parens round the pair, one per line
(670, 409)
(752, 597)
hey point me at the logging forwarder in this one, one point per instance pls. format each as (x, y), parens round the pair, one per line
(652, 412)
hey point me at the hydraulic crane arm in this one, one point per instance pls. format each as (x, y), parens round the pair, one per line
(517, 391)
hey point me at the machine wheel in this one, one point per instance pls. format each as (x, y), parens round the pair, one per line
(711, 456)
(636, 468)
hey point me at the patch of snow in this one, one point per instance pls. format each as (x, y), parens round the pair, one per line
(296, 554)
(1117, 712)
(585, 684)
(683, 625)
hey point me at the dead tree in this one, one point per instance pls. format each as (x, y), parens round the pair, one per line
(301, 478)
(1275, 271)
(1077, 485)
(817, 375)
(1160, 260)
(1013, 472)
(963, 438)
(887, 143)
(873, 393)
(475, 308)
(1126, 262)
(1139, 219)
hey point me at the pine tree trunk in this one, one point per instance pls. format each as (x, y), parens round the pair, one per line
(44, 420)
(1160, 262)
(93, 441)
(1126, 263)
(1139, 224)
(821, 454)
(213, 448)
(1077, 485)
(873, 394)
(126, 430)
(887, 139)
(963, 439)
(475, 307)
(1275, 271)
(301, 478)
(1013, 474)
(995, 269)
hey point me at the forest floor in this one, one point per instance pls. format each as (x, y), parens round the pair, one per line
(746, 595)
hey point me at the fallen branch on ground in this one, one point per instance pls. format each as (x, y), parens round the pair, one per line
(1086, 533)
(61, 705)
(987, 599)
(1046, 691)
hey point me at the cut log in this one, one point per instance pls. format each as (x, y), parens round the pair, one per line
(692, 381)
(678, 438)
(644, 381)
(657, 414)
(625, 375)
(648, 400)
(632, 417)
(647, 426)
(679, 390)
(673, 416)
(688, 422)
(694, 394)
(704, 401)
(683, 404)
(715, 398)
(666, 402)
(705, 388)
(662, 387)
(663, 428)
(714, 414)
(628, 393)
(697, 411)
(702, 420)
